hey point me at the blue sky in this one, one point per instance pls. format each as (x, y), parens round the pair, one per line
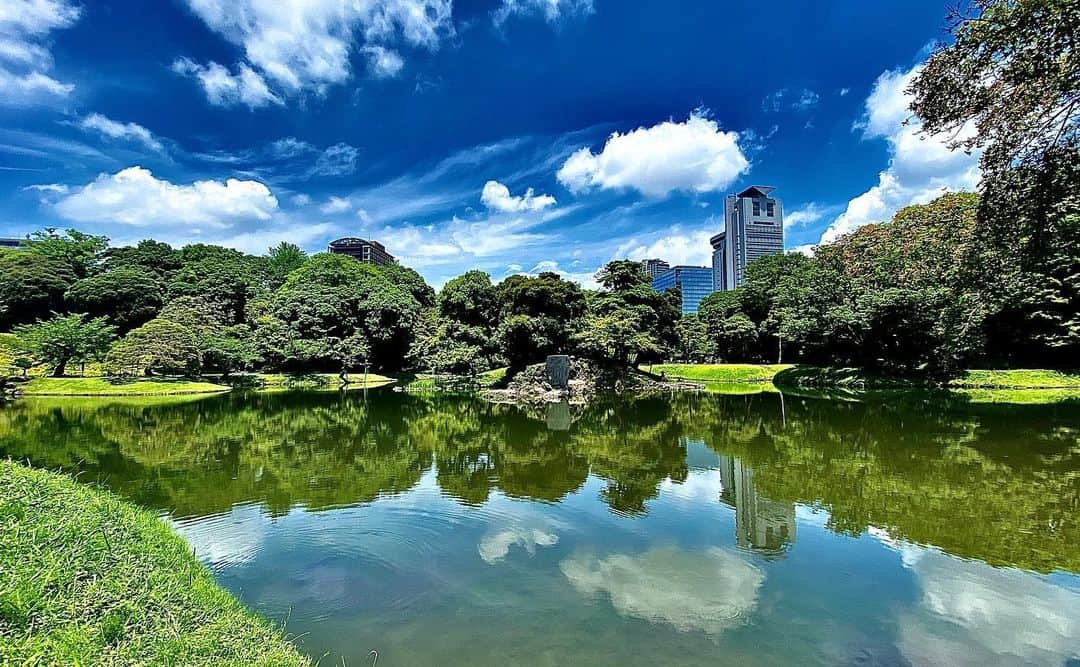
(507, 135)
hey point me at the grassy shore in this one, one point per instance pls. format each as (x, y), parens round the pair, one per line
(719, 372)
(88, 579)
(853, 378)
(100, 386)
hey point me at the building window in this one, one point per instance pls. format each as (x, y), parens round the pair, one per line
(757, 207)
(770, 209)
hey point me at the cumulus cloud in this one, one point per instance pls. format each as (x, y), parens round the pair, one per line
(119, 130)
(495, 546)
(553, 11)
(25, 61)
(336, 205)
(497, 197)
(973, 614)
(305, 45)
(135, 197)
(690, 248)
(225, 89)
(693, 156)
(920, 168)
(709, 591)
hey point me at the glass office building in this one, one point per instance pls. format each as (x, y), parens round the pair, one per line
(696, 283)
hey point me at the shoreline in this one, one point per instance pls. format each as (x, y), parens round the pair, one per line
(86, 575)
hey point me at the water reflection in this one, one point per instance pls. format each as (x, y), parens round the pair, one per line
(902, 529)
(993, 482)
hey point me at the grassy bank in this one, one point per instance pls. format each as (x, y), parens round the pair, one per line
(284, 381)
(719, 372)
(88, 579)
(854, 378)
(101, 386)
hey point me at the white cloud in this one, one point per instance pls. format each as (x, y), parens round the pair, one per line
(920, 168)
(135, 197)
(694, 155)
(497, 197)
(495, 546)
(689, 248)
(24, 58)
(808, 214)
(305, 45)
(51, 188)
(799, 100)
(974, 614)
(709, 591)
(844, 92)
(223, 88)
(383, 63)
(118, 130)
(301, 199)
(553, 11)
(336, 205)
(336, 160)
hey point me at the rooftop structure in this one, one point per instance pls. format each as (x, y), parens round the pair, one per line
(654, 267)
(370, 252)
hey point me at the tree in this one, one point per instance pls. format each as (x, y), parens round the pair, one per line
(335, 311)
(127, 297)
(154, 256)
(66, 338)
(694, 345)
(622, 274)
(159, 346)
(283, 259)
(31, 286)
(629, 308)
(538, 317)
(617, 336)
(410, 281)
(1011, 73)
(229, 349)
(226, 277)
(470, 299)
(80, 252)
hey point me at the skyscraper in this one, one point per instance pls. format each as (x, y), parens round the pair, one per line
(654, 267)
(696, 283)
(753, 228)
(370, 252)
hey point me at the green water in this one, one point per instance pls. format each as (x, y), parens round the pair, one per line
(697, 530)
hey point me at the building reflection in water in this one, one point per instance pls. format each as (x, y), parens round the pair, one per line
(760, 523)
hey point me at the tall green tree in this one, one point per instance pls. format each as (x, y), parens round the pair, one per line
(31, 286)
(283, 259)
(81, 252)
(156, 257)
(64, 339)
(538, 317)
(127, 297)
(1011, 72)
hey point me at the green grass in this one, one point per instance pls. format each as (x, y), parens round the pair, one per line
(1017, 379)
(88, 579)
(719, 372)
(117, 387)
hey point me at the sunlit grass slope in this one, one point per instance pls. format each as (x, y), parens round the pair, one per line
(88, 579)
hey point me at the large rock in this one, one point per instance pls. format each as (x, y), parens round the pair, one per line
(558, 371)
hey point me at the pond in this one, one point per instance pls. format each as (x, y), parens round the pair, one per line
(694, 530)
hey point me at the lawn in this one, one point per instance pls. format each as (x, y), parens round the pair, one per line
(719, 372)
(1017, 379)
(88, 579)
(99, 386)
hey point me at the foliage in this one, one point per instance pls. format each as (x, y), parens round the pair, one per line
(127, 297)
(66, 338)
(31, 286)
(80, 252)
(335, 311)
(118, 387)
(159, 346)
(538, 317)
(86, 578)
(225, 277)
(1011, 73)
(153, 256)
(283, 259)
